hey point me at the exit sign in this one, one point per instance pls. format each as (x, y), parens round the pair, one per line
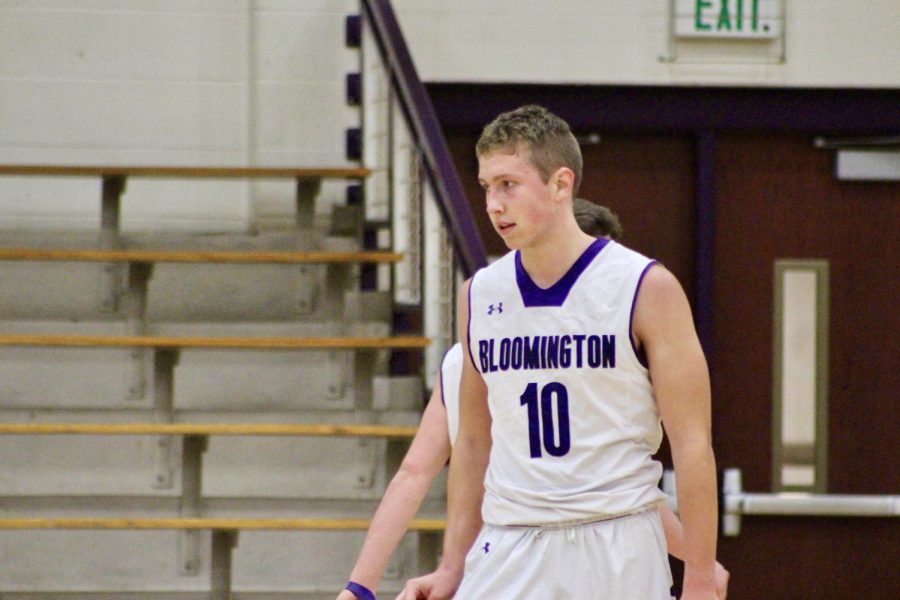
(737, 19)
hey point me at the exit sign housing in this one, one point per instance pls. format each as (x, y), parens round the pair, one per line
(723, 19)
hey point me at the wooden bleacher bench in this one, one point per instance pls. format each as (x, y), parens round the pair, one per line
(166, 349)
(219, 524)
(275, 343)
(197, 256)
(224, 531)
(202, 430)
(240, 429)
(308, 183)
(164, 171)
(185, 256)
(224, 534)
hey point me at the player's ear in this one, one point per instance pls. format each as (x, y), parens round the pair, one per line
(563, 180)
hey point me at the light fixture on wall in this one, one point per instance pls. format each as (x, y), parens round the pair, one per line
(590, 138)
(874, 158)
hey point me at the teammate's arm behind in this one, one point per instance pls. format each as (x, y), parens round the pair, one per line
(426, 456)
(465, 485)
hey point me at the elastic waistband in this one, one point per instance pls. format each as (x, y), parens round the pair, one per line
(587, 520)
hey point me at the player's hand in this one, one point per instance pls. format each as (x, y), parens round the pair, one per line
(695, 592)
(346, 595)
(722, 576)
(699, 584)
(440, 585)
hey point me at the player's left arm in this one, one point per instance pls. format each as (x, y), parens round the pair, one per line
(675, 542)
(663, 325)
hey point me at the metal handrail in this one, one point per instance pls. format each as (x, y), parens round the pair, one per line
(429, 138)
(737, 503)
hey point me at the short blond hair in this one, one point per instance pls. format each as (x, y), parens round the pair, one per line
(548, 140)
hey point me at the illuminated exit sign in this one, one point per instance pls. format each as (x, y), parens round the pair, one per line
(737, 19)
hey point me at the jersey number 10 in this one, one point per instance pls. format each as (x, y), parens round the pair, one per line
(540, 418)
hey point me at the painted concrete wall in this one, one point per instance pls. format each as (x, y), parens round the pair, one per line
(826, 43)
(207, 82)
(261, 82)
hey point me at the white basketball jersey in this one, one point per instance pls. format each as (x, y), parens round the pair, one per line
(575, 423)
(451, 371)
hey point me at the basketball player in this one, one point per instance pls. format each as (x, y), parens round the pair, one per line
(576, 350)
(431, 448)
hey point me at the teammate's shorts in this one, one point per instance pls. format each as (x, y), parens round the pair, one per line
(617, 559)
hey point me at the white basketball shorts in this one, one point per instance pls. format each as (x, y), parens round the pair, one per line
(617, 559)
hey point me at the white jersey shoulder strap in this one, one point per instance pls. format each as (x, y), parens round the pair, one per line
(451, 371)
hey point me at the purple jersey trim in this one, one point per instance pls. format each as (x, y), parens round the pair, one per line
(555, 295)
(639, 352)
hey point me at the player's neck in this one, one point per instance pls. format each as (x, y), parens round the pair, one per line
(548, 260)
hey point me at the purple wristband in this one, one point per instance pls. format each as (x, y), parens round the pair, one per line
(360, 591)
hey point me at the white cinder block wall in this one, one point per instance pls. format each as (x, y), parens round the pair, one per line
(261, 82)
(827, 43)
(182, 82)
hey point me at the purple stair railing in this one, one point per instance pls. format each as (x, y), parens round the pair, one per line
(428, 136)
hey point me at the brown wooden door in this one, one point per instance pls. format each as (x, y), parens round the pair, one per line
(777, 197)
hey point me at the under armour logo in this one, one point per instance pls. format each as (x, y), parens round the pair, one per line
(492, 308)
(487, 546)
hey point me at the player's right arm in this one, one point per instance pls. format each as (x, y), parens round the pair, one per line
(425, 458)
(465, 486)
